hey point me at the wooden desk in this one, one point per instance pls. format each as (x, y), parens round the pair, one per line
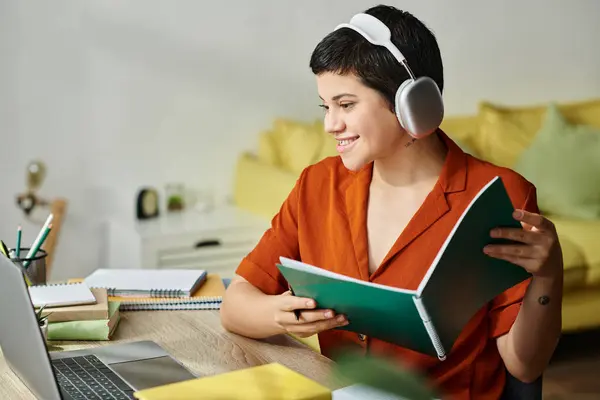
(196, 339)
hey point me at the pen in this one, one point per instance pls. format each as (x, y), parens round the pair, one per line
(39, 240)
(296, 312)
(18, 246)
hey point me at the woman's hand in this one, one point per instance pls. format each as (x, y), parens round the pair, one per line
(311, 320)
(538, 250)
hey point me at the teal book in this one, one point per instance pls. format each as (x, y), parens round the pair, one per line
(460, 281)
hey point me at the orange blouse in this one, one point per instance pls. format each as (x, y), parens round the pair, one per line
(323, 223)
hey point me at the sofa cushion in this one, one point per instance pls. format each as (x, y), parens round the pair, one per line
(298, 144)
(575, 268)
(581, 253)
(328, 148)
(261, 188)
(463, 129)
(267, 153)
(504, 132)
(563, 162)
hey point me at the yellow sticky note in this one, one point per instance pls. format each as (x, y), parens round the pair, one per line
(265, 382)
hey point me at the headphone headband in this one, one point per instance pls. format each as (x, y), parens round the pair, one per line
(377, 33)
(418, 102)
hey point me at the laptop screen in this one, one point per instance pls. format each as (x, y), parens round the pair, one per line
(21, 339)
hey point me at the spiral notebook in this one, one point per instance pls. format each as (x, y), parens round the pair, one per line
(58, 295)
(208, 297)
(147, 282)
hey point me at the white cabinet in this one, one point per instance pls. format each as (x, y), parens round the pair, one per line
(215, 240)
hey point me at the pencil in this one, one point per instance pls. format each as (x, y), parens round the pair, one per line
(18, 246)
(296, 312)
(38, 241)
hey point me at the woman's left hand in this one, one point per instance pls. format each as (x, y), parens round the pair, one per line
(538, 249)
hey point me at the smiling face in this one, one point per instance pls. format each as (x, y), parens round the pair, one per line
(360, 119)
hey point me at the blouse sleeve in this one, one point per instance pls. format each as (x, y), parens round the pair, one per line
(281, 239)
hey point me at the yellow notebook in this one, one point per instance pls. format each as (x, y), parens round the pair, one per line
(266, 382)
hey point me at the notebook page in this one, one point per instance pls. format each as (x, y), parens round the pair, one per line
(61, 295)
(165, 282)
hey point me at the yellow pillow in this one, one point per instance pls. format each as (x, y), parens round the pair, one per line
(329, 143)
(298, 144)
(267, 153)
(462, 128)
(504, 132)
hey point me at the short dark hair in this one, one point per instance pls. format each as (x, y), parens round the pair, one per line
(345, 51)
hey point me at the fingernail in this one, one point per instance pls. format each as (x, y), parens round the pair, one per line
(328, 314)
(518, 214)
(341, 318)
(494, 232)
(310, 303)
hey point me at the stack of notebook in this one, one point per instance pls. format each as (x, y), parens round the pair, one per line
(76, 312)
(169, 289)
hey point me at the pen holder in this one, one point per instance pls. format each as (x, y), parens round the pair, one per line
(36, 270)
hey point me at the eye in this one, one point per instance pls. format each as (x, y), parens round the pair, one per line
(346, 106)
(324, 107)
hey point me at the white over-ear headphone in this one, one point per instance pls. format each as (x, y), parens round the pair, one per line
(418, 103)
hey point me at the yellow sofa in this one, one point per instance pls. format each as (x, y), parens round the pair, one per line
(497, 134)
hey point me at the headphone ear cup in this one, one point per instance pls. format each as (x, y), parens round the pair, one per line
(419, 106)
(398, 102)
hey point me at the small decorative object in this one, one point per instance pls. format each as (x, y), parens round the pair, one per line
(147, 203)
(175, 195)
(200, 200)
(42, 322)
(35, 175)
(33, 206)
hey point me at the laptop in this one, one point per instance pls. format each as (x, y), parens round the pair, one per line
(113, 371)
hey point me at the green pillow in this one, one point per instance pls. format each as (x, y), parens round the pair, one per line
(563, 162)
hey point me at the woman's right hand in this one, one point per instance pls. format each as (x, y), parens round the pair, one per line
(311, 320)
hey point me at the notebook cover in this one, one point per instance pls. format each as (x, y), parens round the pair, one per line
(465, 279)
(63, 294)
(268, 382)
(81, 312)
(86, 330)
(372, 309)
(147, 282)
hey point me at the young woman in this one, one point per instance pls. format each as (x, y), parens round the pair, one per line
(380, 212)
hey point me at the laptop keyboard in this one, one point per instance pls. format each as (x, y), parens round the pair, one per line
(87, 377)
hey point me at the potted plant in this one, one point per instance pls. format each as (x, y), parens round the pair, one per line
(42, 322)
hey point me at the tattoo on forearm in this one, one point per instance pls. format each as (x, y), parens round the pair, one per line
(543, 300)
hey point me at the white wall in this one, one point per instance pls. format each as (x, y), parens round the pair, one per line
(118, 94)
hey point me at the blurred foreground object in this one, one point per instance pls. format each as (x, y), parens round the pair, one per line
(266, 382)
(388, 379)
(30, 201)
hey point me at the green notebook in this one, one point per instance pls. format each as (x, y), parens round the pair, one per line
(101, 329)
(459, 282)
